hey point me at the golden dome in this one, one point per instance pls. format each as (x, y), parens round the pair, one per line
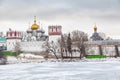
(34, 26)
(95, 27)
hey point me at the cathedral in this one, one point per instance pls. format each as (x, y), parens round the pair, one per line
(34, 33)
(29, 41)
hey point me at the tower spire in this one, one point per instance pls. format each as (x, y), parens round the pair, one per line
(34, 19)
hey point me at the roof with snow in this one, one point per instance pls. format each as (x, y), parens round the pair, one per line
(104, 42)
(2, 39)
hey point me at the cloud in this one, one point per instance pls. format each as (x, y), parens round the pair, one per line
(50, 9)
(65, 12)
(1, 1)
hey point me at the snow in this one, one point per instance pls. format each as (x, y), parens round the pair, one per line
(29, 55)
(25, 58)
(105, 70)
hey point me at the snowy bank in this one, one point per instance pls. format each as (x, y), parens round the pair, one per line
(14, 60)
(25, 58)
(29, 55)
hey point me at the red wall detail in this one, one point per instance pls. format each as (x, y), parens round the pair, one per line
(54, 30)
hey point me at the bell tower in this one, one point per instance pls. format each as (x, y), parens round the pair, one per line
(54, 32)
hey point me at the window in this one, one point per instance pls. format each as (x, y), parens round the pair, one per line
(50, 30)
(63, 50)
(58, 50)
(54, 30)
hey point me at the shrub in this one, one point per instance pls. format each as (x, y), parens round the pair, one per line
(3, 58)
(2, 55)
(95, 56)
(8, 53)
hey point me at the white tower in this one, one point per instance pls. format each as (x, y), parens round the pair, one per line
(54, 33)
(12, 38)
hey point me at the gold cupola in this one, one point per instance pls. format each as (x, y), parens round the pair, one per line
(95, 27)
(34, 26)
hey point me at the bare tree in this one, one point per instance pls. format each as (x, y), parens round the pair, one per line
(50, 48)
(17, 49)
(62, 43)
(69, 44)
(102, 35)
(3, 58)
(78, 38)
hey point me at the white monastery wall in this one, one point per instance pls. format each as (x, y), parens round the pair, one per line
(11, 43)
(34, 46)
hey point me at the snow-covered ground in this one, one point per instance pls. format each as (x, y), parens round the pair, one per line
(106, 70)
(29, 55)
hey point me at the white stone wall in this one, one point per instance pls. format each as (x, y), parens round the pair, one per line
(11, 43)
(54, 38)
(2, 44)
(34, 46)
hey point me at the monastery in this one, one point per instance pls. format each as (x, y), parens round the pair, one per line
(30, 41)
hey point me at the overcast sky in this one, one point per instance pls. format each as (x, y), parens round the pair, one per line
(70, 14)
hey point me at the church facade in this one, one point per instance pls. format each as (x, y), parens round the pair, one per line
(33, 39)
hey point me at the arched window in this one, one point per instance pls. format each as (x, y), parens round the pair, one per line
(58, 50)
(63, 50)
(54, 29)
(10, 33)
(15, 33)
(74, 50)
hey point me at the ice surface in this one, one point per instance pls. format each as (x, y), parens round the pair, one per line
(107, 70)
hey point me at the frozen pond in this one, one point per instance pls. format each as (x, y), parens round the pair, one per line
(61, 71)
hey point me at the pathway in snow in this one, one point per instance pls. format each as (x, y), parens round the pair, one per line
(61, 71)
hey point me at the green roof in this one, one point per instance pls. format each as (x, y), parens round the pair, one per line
(2, 39)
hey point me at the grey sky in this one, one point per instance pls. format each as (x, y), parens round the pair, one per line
(71, 14)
